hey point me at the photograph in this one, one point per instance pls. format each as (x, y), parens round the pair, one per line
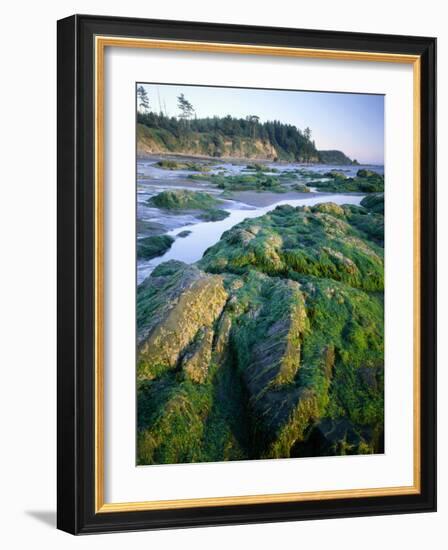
(246, 273)
(259, 274)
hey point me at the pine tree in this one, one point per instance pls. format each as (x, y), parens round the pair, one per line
(186, 108)
(142, 99)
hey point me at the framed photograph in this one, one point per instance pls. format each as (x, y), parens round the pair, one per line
(246, 274)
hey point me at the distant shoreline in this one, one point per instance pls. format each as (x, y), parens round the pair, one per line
(239, 160)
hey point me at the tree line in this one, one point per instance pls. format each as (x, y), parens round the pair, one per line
(287, 139)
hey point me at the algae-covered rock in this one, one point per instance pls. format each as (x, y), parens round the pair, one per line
(363, 173)
(319, 242)
(303, 350)
(196, 360)
(368, 220)
(171, 420)
(366, 181)
(151, 247)
(257, 180)
(213, 215)
(168, 164)
(182, 199)
(374, 203)
(337, 437)
(173, 304)
(190, 201)
(335, 174)
(271, 346)
(329, 208)
(267, 334)
(302, 188)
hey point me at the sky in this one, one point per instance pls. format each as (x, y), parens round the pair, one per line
(352, 123)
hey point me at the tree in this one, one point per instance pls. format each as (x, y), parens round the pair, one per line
(142, 99)
(253, 121)
(308, 145)
(186, 108)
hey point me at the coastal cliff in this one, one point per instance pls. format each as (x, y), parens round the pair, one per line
(163, 139)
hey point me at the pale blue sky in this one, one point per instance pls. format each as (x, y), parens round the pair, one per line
(352, 123)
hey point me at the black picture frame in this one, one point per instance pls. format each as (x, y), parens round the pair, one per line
(76, 254)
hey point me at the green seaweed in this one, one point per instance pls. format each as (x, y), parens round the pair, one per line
(294, 363)
(182, 199)
(151, 247)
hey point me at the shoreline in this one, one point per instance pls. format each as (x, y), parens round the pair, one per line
(236, 160)
(261, 199)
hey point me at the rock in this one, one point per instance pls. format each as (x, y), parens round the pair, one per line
(151, 247)
(203, 204)
(257, 167)
(171, 416)
(368, 222)
(329, 208)
(196, 360)
(366, 173)
(374, 203)
(266, 337)
(213, 215)
(270, 346)
(168, 164)
(301, 188)
(172, 306)
(335, 174)
(182, 199)
(223, 329)
(365, 181)
(324, 241)
(336, 437)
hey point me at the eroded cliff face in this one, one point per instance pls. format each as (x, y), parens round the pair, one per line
(150, 143)
(271, 346)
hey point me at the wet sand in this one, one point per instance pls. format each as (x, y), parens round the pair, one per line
(266, 198)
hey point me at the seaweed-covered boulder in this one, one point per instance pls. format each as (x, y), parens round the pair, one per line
(196, 360)
(364, 173)
(270, 322)
(374, 202)
(366, 181)
(173, 304)
(329, 208)
(183, 199)
(271, 346)
(335, 174)
(368, 222)
(153, 246)
(297, 366)
(319, 242)
(190, 201)
(337, 437)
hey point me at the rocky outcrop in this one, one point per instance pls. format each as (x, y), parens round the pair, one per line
(153, 246)
(365, 181)
(374, 202)
(183, 200)
(174, 304)
(196, 360)
(271, 346)
(334, 157)
(318, 242)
